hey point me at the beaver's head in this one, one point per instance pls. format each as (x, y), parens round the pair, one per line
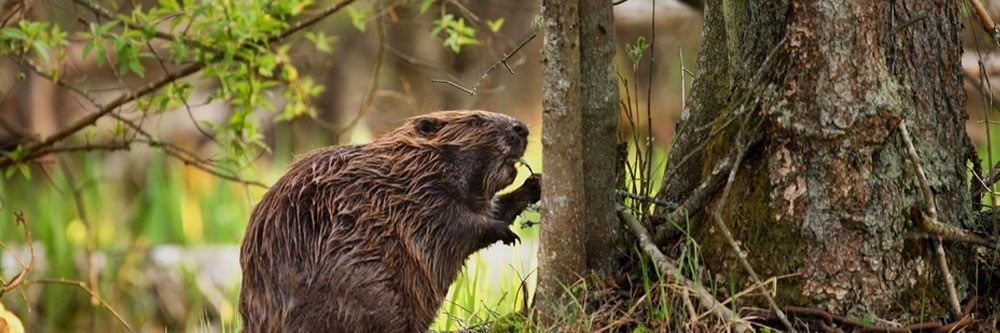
(481, 147)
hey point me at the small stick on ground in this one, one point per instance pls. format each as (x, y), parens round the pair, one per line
(671, 271)
(930, 219)
(717, 218)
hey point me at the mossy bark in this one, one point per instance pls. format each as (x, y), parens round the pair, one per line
(827, 195)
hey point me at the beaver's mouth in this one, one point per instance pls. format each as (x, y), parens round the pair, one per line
(504, 174)
(513, 161)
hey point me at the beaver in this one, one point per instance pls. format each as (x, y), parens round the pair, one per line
(368, 238)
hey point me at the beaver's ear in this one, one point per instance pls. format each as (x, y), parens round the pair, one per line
(427, 127)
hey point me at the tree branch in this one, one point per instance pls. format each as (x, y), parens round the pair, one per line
(183, 71)
(506, 56)
(107, 14)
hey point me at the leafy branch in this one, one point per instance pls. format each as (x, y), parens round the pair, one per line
(240, 51)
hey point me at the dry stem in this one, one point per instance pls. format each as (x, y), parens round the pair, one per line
(671, 271)
(930, 219)
(506, 56)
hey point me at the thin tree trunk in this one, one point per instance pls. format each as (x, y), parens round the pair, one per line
(561, 253)
(830, 193)
(600, 100)
(580, 232)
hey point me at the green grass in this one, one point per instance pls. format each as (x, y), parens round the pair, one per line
(172, 205)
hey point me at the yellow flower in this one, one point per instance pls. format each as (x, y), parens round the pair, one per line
(9, 322)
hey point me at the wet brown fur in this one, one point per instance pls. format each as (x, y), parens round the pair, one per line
(368, 238)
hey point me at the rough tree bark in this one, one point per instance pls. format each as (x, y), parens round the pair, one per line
(580, 233)
(829, 192)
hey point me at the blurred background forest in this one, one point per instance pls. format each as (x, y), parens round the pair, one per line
(144, 235)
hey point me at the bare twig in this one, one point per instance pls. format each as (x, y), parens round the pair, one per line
(646, 199)
(188, 158)
(506, 56)
(949, 281)
(93, 296)
(81, 213)
(930, 219)
(18, 279)
(105, 109)
(671, 271)
(369, 100)
(986, 86)
(419, 63)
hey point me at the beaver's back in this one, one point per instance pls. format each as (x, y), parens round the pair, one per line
(317, 233)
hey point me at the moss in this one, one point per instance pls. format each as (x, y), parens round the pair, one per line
(773, 248)
(734, 12)
(928, 295)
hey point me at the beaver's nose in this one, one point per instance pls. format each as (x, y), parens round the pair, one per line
(521, 129)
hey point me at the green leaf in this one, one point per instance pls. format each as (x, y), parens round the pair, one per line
(495, 25)
(103, 29)
(137, 68)
(458, 34)
(320, 41)
(635, 51)
(358, 17)
(425, 4)
(24, 170)
(41, 49)
(14, 33)
(170, 5)
(89, 46)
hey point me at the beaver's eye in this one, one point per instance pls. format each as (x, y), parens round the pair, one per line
(476, 122)
(428, 127)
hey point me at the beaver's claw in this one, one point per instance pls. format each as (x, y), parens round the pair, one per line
(503, 233)
(508, 237)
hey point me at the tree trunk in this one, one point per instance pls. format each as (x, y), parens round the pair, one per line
(580, 233)
(829, 191)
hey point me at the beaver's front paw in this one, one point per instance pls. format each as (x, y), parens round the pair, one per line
(532, 188)
(503, 233)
